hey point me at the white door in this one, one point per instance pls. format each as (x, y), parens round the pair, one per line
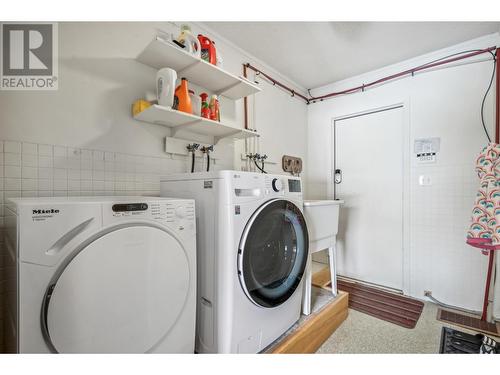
(121, 294)
(369, 155)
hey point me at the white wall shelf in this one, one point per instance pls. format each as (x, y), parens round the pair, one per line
(160, 54)
(177, 120)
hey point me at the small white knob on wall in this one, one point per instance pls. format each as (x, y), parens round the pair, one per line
(424, 180)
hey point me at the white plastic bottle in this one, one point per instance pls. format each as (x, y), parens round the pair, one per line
(165, 86)
(189, 41)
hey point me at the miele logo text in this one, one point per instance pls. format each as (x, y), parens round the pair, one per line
(49, 211)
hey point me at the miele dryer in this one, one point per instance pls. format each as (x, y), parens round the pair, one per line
(102, 275)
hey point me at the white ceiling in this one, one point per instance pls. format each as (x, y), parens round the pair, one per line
(316, 53)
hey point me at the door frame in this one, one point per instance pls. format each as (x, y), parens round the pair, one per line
(405, 105)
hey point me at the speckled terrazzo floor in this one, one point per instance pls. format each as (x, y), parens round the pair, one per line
(361, 333)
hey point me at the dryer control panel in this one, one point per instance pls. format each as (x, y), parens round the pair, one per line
(177, 214)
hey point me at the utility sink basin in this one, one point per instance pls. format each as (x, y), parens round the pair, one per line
(322, 217)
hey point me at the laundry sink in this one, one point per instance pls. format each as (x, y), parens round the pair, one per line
(322, 217)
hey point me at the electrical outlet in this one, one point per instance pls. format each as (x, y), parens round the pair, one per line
(291, 164)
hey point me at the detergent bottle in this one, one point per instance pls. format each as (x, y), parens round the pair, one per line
(189, 41)
(182, 98)
(207, 48)
(204, 47)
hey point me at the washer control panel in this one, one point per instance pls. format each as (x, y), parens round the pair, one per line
(282, 185)
(246, 186)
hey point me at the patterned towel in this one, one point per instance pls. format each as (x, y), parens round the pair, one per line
(484, 232)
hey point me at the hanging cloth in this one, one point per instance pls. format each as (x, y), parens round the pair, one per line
(484, 232)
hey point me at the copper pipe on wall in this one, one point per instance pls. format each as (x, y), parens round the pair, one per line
(276, 82)
(245, 100)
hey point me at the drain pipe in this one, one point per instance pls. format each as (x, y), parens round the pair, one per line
(428, 294)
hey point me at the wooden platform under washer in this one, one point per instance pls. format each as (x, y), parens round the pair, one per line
(312, 331)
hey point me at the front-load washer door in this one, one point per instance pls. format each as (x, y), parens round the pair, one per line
(121, 293)
(273, 253)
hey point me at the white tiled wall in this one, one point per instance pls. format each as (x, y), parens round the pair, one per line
(41, 170)
(441, 261)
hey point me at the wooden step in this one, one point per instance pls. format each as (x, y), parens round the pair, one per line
(315, 329)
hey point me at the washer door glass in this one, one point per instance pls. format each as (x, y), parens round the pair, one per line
(273, 253)
(120, 294)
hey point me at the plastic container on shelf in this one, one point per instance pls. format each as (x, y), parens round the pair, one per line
(182, 97)
(205, 110)
(217, 60)
(189, 41)
(195, 103)
(213, 54)
(214, 108)
(207, 49)
(165, 87)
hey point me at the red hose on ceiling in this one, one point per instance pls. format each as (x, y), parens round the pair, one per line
(379, 81)
(411, 71)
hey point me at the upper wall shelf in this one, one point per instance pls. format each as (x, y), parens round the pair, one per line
(160, 54)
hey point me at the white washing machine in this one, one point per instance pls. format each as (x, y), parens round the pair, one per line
(102, 275)
(252, 253)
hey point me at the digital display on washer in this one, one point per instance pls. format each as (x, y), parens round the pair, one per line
(294, 186)
(126, 207)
